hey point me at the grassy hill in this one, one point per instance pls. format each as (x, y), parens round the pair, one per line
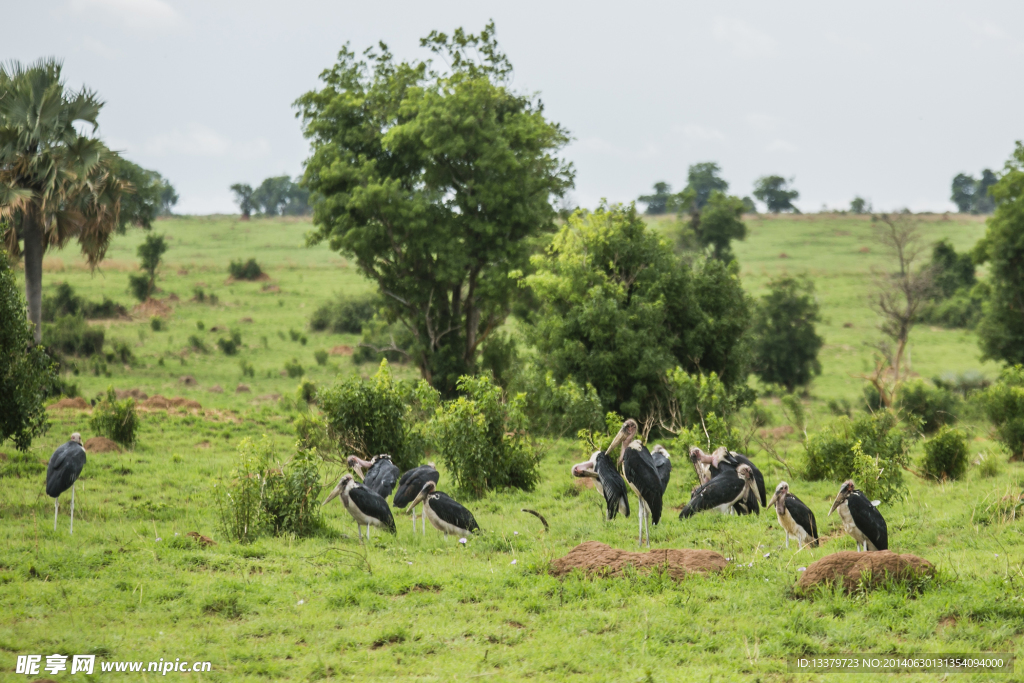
(130, 585)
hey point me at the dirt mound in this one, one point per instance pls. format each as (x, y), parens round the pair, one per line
(159, 402)
(137, 394)
(271, 288)
(101, 444)
(150, 308)
(850, 567)
(242, 389)
(216, 389)
(341, 350)
(597, 558)
(76, 403)
(188, 403)
(202, 540)
(188, 380)
(173, 297)
(245, 320)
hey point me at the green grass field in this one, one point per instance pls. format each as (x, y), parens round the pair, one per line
(129, 584)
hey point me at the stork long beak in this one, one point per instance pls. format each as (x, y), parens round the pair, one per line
(417, 500)
(334, 494)
(771, 503)
(616, 441)
(838, 501)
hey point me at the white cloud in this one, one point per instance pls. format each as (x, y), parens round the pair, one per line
(762, 121)
(781, 146)
(698, 133)
(987, 29)
(746, 41)
(133, 13)
(196, 141)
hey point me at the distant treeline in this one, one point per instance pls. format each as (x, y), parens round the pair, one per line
(277, 196)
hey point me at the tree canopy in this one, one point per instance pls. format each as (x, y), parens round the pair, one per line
(718, 223)
(434, 182)
(786, 342)
(702, 181)
(972, 195)
(776, 194)
(151, 196)
(281, 196)
(660, 201)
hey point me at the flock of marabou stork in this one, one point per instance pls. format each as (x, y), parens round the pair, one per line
(729, 483)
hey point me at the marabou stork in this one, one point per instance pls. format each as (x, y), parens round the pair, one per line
(641, 473)
(729, 487)
(378, 474)
(444, 512)
(723, 459)
(62, 472)
(795, 518)
(364, 504)
(662, 463)
(410, 485)
(608, 482)
(861, 519)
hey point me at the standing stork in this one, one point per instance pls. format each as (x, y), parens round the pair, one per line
(62, 472)
(662, 463)
(410, 485)
(365, 505)
(723, 459)
(641, 473)
(444, 512)
(608, 482)
(861, 519)
(378, 474)
(728, 488)
(795, 518)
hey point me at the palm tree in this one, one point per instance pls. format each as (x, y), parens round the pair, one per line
(55, 183)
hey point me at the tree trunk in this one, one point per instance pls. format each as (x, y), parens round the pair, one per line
(33, 254)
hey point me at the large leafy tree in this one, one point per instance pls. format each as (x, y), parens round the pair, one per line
(1001, 331)
(718, 223)
(434, 182)
(972, 195)
(280, 195)
(152, 195)
(26, 372)
(660, 201)
(776, 193)
(702, 180)
(786, 342)
(618, 309)
(55, 184)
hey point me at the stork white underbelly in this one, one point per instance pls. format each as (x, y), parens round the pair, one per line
(360, 516)
(439, 523)
(792, 529)
(851, 528)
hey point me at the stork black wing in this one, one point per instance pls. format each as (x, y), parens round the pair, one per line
(411, 482)
(721, 490)
(641, 474)
(613, 485)
(748, 504)
(453, 512)
(381, 477)
(65, 465)
(664, 467)
(372, 505)
(869, 520)
(740, 459)
(803, 516)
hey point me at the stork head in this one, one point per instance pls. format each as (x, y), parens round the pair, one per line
(340, 490)
(382, 456)
(626, 434)
(427, 489)
(844, 492)
(658, 448)
(586, 468)
(76, 437)
(719, 455)
(780, 493)
(745, 473)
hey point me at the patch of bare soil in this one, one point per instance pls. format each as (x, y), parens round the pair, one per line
(151, 307)
(216, 389)
(850, 568)
(76, 403)
(597, 558)
(203, 540)
(203, 444)
(341, 350)
(188, 380)
(271, 288)
(268, 397)
(242, 389)
(159, 402)
(137, 394)
(101, 444)
(245, 320)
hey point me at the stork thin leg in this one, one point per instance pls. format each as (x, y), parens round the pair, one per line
(359, 530)
(56, 506)
(414, 520)
(647, 524)
(787, 540)
(640, 518)
(72, 508)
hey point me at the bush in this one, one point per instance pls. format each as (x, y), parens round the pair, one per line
(1004, 405)
(945, 454)
(156, 324)
(481, 437)
(121, 352)
(786, 343)
(294, 334)
(200, 325)
(250, 270)
(197, 344)
(934, 406)
(115, 419)
(321, 357)
(71, 335)
(295, 369)
(64, 301)
(307, 391)
(963, 383)
(872, 450)
(559, 409)
(702, 406)
(368, 417)
(247, 369)
(139, 285)
(230, 346)
(346, 314)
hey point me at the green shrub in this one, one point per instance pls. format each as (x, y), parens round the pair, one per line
(200, 325)
(247, 369)
(989, 467)
(156, 324)
(197, 344)
(321, 357)
(935, 406)
(115, 419)
(840, 406)
(139, 285)
(368, 417)
(703, 407)
(241, 501)
(199, 295)
(230, 345)
(71, 335)
(872, 450)
(481, 437)
(1004, 405)
(306, 391)
(945, 454)
(558, 409)
(250, 270)
(346, 314)
(294, 334)
(294, 369)
(311, 432)
(64, 301)
(963, 383)
(121, 352)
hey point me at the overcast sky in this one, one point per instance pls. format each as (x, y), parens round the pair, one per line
(881, 99)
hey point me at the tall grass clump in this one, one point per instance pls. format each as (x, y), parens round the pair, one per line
(945, 454)
(872, 450)
(249, 270)
(346, 314)
(116, 420)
